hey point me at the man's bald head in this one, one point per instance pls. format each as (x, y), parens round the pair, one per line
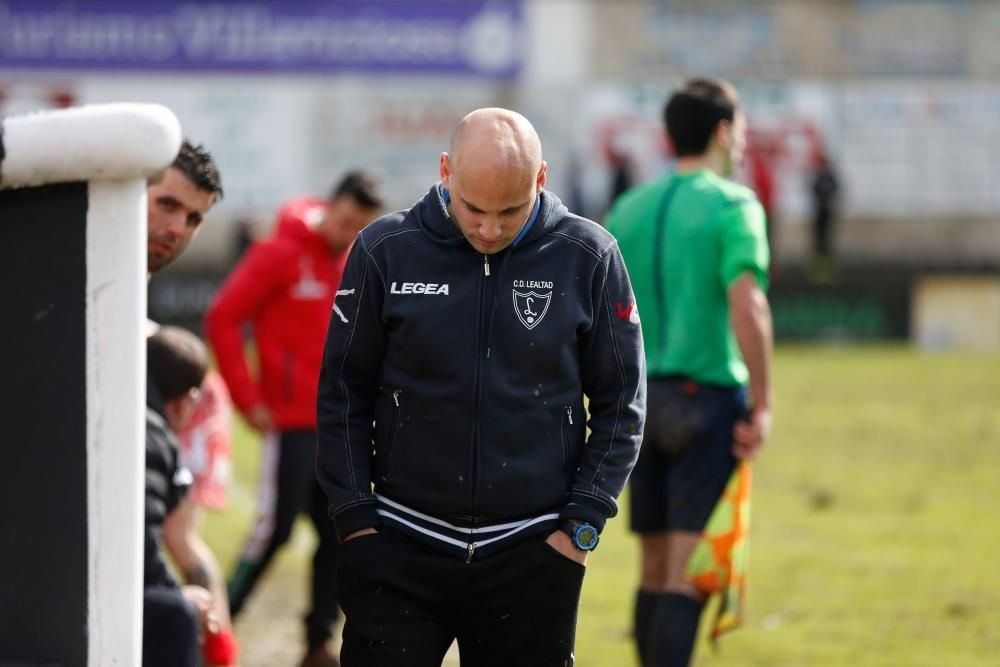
(495, 137)
(494, 172)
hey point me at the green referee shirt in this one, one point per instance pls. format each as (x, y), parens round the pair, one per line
(686, 239)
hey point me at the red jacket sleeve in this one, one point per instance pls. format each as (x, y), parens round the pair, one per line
(261, 276)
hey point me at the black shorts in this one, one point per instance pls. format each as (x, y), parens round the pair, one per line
(686, 457)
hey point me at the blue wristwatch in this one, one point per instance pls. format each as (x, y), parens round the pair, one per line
(583, 535)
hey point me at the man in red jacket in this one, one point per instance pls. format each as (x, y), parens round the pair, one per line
(285, 286)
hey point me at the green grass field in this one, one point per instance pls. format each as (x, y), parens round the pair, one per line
(875, 535)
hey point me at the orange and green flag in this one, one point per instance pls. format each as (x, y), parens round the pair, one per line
(718, 566)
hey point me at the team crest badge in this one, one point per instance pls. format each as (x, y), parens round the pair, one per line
(531, 307)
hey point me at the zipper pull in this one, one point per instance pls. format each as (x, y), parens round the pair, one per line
(486, 265)
(472, 550)
(569, 413)
(395, 397)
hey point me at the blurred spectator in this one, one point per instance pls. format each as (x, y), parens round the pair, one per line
(285, 286)
(825, 188)
(243, 237)
(618, 160)
(206, 445)
(620, 179)
(760, 162)
(175, 617)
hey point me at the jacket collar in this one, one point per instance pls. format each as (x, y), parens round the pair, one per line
(432, 214)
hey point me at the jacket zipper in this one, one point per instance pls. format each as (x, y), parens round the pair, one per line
(393, 431)
(565, 434)
(474, 459)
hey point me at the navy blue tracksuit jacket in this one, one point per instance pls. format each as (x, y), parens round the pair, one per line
(451, 396)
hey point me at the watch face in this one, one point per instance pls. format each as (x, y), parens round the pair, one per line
(586, 537)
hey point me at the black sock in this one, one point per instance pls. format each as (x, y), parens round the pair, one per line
(645, 604)
(672, 631)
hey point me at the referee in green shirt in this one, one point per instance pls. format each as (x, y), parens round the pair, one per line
(696, 249)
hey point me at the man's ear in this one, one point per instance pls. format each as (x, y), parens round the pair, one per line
(723, 135)
(445, 168)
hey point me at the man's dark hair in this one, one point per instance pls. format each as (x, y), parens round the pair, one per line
(176, 361)
(361, 187)
(198, 166)
(694, 111)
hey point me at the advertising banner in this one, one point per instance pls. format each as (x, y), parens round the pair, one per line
(480, 38)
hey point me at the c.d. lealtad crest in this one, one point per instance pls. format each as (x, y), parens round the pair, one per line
(531, 307)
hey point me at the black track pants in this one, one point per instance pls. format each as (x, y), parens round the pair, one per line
(405, 603)
(288, 488)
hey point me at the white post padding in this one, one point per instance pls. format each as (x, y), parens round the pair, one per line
(98, 142)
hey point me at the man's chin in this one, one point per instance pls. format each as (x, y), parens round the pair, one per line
(489, 248)
(154, 263)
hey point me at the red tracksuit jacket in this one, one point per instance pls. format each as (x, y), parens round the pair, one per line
(284, 286)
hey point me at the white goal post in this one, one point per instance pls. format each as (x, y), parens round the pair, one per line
(72, 395)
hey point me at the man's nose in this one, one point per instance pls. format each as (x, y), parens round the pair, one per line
(490, 230)
(176, 224)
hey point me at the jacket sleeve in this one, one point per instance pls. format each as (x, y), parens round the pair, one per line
(614, 380)
(348, 385)
(256, 280)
